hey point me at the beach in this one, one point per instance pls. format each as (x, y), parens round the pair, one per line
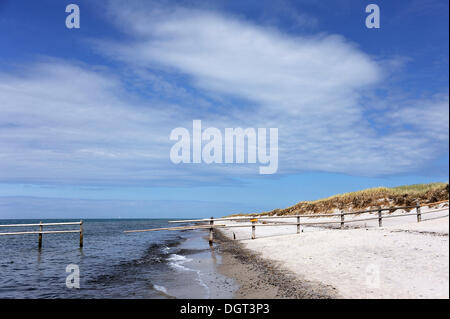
(261, 278)
(402, 259)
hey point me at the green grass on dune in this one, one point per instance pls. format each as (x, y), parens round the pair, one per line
(407, 195)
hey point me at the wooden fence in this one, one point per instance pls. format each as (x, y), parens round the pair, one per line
(41, 231)
(209, 222)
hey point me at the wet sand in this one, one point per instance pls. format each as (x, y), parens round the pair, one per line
(262, 279)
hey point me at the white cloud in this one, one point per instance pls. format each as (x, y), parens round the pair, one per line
(62, 122)
(309, 87)
(426, 117)
(226, 55)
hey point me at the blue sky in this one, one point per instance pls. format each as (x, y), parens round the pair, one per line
(86, 114)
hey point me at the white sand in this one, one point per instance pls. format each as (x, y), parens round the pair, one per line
(403, 259)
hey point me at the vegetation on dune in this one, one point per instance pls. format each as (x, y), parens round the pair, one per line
(407, 195)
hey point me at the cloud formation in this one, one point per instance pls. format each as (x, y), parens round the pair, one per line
(82, 124)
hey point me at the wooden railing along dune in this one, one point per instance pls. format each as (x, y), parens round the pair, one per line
(254, 219)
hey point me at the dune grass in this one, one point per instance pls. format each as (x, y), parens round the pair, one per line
(407, 195)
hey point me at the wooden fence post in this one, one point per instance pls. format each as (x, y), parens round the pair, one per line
(380, 218)
(342, 219)
(211, 223)
(81, 233)
(298, 224)
(253, 229)
(40, 235)
(419, 215)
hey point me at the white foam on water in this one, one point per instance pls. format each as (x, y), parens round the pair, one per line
(179, 258)
(160, 289)
(177, 261)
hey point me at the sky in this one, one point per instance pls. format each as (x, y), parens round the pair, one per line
(86, 113)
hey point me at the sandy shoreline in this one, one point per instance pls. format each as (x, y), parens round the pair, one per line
(261, 278)
(403, 259)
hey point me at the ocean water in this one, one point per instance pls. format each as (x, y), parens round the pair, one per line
(112, 264)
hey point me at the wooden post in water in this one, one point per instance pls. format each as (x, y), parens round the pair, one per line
(380, 217)
(40, 235)
(298, 224)
(253, 229)
(419, 215)
(211, 222)
(342, 219)
(81, 233)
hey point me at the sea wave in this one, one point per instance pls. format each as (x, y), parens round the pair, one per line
(176, 261)
(160, 289)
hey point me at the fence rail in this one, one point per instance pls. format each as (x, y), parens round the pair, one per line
(41, 230)
(254, 218)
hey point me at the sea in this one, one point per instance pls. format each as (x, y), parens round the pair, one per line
(112, 264)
